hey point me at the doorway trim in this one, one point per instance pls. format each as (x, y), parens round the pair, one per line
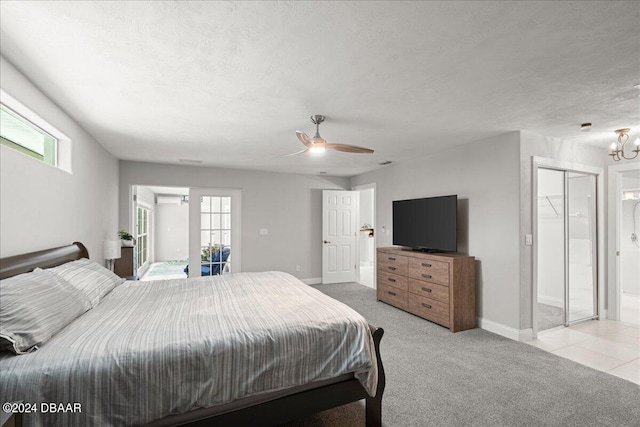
(564, 165)
(614, 189)
(369, 186)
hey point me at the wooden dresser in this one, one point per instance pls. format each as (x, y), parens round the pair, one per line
(438, 287)
(127, 264)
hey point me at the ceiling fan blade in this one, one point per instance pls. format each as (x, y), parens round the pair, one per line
(304, 138)
(349, 148)
(293, 154)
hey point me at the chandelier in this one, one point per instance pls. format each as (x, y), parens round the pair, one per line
(617, 148)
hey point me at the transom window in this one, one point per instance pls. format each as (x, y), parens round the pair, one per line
(20, 134)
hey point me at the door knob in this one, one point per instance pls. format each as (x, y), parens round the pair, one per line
(326, 241)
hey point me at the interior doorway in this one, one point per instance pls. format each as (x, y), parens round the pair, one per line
(161, 229)
(624, 232)
(567, 252)
(339, 236)
(366, 235)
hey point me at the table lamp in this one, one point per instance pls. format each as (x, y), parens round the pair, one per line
(111, 250)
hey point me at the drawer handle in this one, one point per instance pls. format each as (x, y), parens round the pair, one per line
(390, 279)
(391, 293)
(426, 276)
(391, 259)
(424, 264)
(426, 289)
(392, 268)
(426, 305)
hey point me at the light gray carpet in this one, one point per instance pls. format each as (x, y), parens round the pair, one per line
(476, 378)
(549, 316)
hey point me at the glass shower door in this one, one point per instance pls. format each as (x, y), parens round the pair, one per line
(581, 254)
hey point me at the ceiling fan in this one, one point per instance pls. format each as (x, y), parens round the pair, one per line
(317, 144)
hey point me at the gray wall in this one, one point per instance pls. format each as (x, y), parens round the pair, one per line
(288, 205)
(485, 176)
(43, 206)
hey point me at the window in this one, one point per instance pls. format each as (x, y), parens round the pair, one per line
(20, 134)
(143, 235)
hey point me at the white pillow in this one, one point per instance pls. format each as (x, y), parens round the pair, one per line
(89, 277)
(34, 307)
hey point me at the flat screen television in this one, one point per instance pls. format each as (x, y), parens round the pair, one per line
(427, 224)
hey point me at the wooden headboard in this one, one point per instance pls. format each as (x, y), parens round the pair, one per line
(24, 263)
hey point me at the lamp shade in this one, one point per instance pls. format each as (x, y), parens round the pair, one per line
(111, 249)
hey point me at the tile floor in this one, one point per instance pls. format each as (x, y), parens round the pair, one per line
(606, 345)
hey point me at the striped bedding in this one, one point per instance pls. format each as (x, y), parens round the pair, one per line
(150, 349)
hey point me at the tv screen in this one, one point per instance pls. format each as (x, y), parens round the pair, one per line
(428, 224)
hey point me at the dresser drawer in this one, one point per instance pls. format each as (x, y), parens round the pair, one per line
(393, 296)
(432, 271)
(429, 290)
(392, 263)
(430, 309)
(394, 280)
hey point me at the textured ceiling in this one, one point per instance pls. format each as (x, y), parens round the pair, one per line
(228, 83)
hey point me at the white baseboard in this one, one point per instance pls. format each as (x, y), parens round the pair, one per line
(312, 281)
(505, 331)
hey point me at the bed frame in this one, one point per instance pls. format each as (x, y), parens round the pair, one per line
(271, 411)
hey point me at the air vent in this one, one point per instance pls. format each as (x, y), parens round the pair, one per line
(386, 162)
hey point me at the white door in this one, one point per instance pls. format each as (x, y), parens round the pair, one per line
(214, 231)
(339, 236)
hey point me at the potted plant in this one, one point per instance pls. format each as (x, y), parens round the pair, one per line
(126, 238)
(208, 253)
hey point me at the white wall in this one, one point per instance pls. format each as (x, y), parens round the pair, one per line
(288, 205)
(172, 232)
(42, 206)
(485, 176)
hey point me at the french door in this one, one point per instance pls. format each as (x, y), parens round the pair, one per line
(214, 231)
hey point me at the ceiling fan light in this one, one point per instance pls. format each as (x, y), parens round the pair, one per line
(317, 149)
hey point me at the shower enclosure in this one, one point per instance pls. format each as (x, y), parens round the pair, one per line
(567, 272)
(629, 248)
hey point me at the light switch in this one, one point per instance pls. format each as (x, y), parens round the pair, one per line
(528, 239)
(264, 231)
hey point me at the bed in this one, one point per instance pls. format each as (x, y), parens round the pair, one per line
(144, 343)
